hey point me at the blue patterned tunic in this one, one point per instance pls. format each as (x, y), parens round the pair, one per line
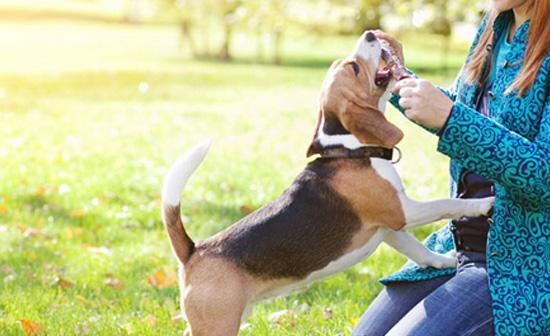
(511, 148)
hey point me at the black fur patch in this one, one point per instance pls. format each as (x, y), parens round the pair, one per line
(307, 227)
(333, 126)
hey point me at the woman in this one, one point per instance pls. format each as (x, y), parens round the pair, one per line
(495, 126)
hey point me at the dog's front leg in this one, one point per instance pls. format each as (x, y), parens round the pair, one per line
(420, 213)
(407, 244)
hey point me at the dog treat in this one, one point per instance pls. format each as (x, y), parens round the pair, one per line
(393, 64)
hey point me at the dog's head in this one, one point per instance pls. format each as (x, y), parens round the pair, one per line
(352, 100)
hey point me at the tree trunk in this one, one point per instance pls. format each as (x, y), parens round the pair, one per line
(277, 41)
(259, 47)
(186, 35)
(225, 52)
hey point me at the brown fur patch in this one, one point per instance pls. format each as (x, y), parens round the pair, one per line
(214, 294)
(373, 198)
(182, 245)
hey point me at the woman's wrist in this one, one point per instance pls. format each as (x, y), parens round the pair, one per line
(442, 128)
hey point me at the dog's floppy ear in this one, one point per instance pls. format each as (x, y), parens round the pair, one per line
(312, 149)
(369, 125)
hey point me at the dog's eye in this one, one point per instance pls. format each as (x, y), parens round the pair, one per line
(355, 68)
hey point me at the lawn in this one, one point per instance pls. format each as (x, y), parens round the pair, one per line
(91, 116)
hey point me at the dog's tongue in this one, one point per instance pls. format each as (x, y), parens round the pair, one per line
(393, 64)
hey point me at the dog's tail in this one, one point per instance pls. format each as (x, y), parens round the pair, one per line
(174, 182)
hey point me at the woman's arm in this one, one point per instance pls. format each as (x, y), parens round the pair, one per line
(482, 145)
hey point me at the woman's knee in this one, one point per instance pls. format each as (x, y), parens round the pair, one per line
(391, 304)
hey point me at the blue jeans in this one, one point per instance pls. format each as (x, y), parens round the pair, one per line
(445, 306)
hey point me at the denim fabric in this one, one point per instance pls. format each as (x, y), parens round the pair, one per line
(450, 305)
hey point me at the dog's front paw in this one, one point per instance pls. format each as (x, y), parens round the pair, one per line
(440, 261)
(485, 205)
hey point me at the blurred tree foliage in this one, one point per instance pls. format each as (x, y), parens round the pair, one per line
(208, 26)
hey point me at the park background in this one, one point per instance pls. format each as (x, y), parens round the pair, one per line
(97, 98)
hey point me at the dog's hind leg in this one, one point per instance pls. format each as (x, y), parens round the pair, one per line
(214, 315)
(214, 299)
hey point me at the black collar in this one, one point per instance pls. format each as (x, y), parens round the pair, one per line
(341, 152)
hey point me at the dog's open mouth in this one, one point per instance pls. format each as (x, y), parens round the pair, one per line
(383, 75)
(389, 66)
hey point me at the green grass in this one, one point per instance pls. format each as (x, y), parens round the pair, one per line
(83, 154)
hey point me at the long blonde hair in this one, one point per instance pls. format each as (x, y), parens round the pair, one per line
(538, 44)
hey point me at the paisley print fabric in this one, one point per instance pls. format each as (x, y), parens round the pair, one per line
(511, 148)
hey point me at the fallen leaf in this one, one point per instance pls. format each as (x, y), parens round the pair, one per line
(9, 278)
(128, 328)
(77, 213)
(59, 281)
(83, 330)
(100, 250)
(246, 209)
(30, 328)
(32, 256)
(40, 191)
(285, 317)
(327, 313)
(114, 283)
(73, 232)
(30, 232)
(160, 279)
(304, 307)
(178, 319)
(244, 326)
(149, 320)
(84, 300)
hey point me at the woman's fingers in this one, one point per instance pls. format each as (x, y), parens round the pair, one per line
(390, 39)
(404, 83)
(407, 92)
(405, 103)
(394, 44)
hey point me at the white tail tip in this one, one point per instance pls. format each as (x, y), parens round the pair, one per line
(181, 171)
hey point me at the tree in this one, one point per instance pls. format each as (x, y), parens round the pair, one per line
(228, 11)
(370, 14)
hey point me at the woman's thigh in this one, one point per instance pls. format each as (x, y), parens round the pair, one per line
(461, 306)
(394, 302)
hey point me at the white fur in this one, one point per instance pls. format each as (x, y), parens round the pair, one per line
(181, 170)
(420, 213)
(407, 244)
(347, 140)
(387, 170)
(368, 50)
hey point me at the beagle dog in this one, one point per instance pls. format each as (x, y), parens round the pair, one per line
(334, 215)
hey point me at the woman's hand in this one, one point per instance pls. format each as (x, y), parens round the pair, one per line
(394, 44)
(423, 102)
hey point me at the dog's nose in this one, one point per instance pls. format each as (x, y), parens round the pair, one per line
(370, 37)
